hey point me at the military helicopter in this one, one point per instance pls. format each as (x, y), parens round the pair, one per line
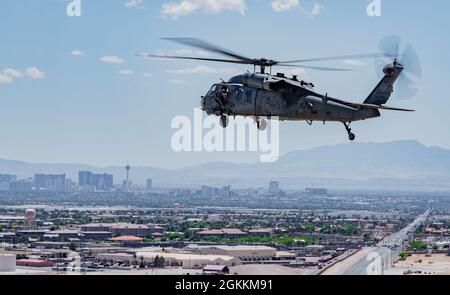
(263, 95)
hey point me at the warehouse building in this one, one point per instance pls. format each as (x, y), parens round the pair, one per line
(122, 229)
(244, 253)
(184, 260)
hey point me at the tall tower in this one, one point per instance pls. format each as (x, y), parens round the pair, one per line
(127, 181)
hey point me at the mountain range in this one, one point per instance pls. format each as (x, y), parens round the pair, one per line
(397, 165)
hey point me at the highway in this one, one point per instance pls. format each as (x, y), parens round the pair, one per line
(376, 260)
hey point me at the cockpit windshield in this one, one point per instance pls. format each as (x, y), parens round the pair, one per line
(213, 91)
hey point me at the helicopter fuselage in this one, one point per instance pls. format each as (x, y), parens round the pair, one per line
(264, 95)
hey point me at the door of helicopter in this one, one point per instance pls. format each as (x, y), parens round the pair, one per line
(244, 99)
(268, 103)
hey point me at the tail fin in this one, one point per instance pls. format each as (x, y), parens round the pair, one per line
(381, 94)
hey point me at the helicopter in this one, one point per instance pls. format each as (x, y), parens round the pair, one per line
(260, 95)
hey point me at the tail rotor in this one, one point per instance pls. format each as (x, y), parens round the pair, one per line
(404, 54)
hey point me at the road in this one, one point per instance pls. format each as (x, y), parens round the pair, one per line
(378, 259)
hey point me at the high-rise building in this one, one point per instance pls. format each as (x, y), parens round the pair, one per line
(20, 186)
(274, 187)
(84, 178)
(5, 180)
(207, 191)
(103, 182)
(316, 191)
(149, 185)
(90, 181)
(49, 182)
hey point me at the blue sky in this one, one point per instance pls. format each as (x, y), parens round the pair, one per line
(61, 102)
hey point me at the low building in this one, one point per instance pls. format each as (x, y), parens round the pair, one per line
(127, 239)
(64, 235)
(34, 263)
(96, 235)
(216, 270)
(261, 232)
(33, 234)
(122, 229)
(96, 227)
(50, 245)
(229, 233)
(314, 249)
(244, 253)
(184, 260)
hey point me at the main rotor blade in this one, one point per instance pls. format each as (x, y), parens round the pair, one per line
(209, 47)
(327, 69)
(145, 55)
(341, 57)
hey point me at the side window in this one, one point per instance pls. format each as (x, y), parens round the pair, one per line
(248, 96)
(239, 95)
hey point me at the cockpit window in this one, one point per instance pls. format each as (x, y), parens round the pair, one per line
(213, 90)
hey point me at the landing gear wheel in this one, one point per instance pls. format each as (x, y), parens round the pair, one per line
(262, 124)
(351, 135)
(224, 121)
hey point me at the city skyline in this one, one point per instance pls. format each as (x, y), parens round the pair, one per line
(396, 166)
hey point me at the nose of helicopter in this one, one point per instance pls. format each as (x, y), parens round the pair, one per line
(203, 103)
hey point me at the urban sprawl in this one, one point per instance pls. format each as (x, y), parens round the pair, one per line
(50, 224)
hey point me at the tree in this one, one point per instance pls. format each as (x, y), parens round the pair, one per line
(418, 245)
(403, 256)
(159, 261)
(135, 258)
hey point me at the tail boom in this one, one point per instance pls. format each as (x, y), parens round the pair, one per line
(383, 91)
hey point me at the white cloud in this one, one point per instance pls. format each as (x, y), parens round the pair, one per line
(316, 10)
(354, 62)
(285, 5)
(110, 59)
(148, 75)
(34, 73)
(203, 70)
(125, 72)
(9, 75)
(13, 73)
(76, 53)
(5, 79)
(177, 82)
(186, 7)
(135, 3)
(291, 5)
